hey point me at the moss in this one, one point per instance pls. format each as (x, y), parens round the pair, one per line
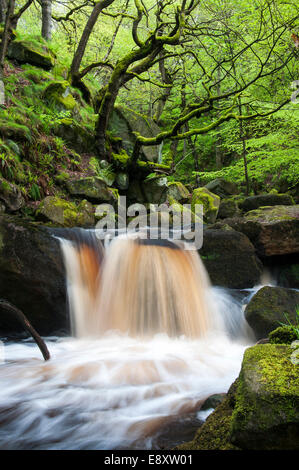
(32, 52)
(12, 130)
(121, 160)
(266, 408)
(58, 93)
(209, 201)
(214, 433)
(282, 335)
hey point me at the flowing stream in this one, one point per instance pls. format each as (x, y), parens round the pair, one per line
(152, 340)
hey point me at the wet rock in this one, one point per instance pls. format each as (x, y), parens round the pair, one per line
(266, 411)
(230, 259)
(288, 276)
(32, 276)
(270, 306)
(213, 401)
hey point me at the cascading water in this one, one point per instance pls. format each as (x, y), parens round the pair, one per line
(153, 339)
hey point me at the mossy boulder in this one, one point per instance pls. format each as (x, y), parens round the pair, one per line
(283, 335)
(266, 411)
(254, 202)
(92, 188)
(228, 208)
(222, 187)
(230, 259)
(269, 307)
(62, 213)
(10, 196)
(58, 93)
(209, 201)
(31, 52)
(178, 191)
(32, 276)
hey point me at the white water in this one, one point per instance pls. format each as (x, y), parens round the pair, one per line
(116, 391)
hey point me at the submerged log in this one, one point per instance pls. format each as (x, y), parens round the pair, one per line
(27, 325)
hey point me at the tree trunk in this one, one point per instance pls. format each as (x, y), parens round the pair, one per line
(75, 67)
(3, 9)
(46, 19)
(4, 45)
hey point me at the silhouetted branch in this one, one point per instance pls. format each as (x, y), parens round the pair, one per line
(27, 325)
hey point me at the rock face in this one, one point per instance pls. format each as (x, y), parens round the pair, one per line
(209, 201)
(124, 122)
(91, 188)
(32, 276)
(272, 230)
(10, 196)
(254, 202)
(266, 412)
(24, 51)
(230, 259)
(66, 214)
(268, 307)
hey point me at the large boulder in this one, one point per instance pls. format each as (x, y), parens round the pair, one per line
(254, 202)
(178, 191)
(31, 52)
(92, 188)
(230, 259)
(273, 230)
(288, 275)
(228, 208)
(223, 188)
(261, 408)
(266, 411)
(209, 201)
(10, 196)
(269, 307)
(125, 122)
(66, 214)
(32, 276)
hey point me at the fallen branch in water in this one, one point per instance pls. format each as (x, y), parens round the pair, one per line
(26, 324)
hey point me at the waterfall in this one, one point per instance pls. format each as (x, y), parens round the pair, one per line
(140, 287)
(152, 339)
